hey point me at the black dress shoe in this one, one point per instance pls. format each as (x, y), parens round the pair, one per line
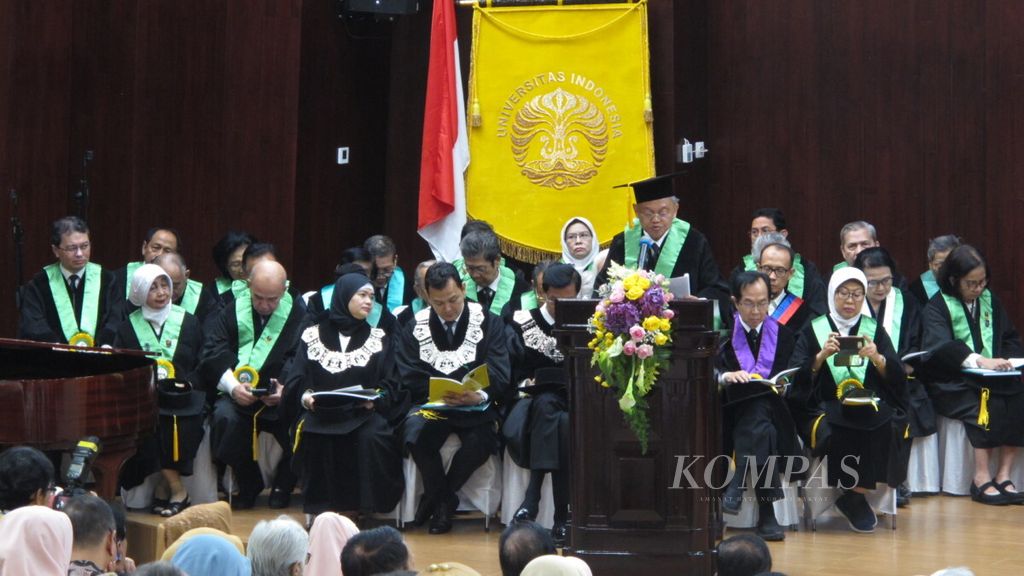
(279, 498)
(441, 521)
(560, 534)
(978, 495)
(902, 496)
(424, 510)
(732, 498)
(767, 525)
(524, 514)
(1011, 497)
(858, 512)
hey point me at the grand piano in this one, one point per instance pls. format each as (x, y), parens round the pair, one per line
(51, 395)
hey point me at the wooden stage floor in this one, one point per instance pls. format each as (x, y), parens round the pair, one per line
(934, 532)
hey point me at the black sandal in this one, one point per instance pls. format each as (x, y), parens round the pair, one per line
(978, 495)
(175, 508)
(1011, 497)
(159, 504)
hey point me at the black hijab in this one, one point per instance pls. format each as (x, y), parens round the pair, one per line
(340, 319)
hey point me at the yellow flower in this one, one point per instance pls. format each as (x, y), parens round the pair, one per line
(606, 385)
(644, 283)
(652, 323)
(666, 325)
(660, 339)
(635, 293)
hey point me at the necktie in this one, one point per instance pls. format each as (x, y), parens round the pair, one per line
(752, 339)
(73, 280)
(652, 257)
(486, 296)
(449, 327)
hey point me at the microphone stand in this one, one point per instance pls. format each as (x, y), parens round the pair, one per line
(19, 245)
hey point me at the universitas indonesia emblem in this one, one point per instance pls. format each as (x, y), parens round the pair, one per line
(559, 139)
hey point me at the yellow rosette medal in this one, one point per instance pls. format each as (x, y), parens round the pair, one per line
(164, 369)
(82, 340)
(247, 375)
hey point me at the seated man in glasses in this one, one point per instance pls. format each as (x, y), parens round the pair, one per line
(68, 301)
(775, 257)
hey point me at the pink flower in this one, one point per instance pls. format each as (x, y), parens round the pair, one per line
(645, 351)
(668, 314)
(659, 278)
(636, 333)
(629, 348)
(617, 296)
(601, 307)
(669, 296)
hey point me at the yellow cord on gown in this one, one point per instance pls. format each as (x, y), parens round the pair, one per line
(256, 435)
(175, 441)
(983, 409)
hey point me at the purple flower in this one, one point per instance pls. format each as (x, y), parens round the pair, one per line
(620, 317)
(652, 302)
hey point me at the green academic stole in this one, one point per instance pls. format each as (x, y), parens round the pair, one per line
(931, 286)
(417, 305)
(896, 315)
(840, 266)
(190, 299)
(822, 329)
(506, 281)
(254, 353)
(223, 285)
(796, 281)
(129, 271)
(528, 301)
(239, 288)
(670, 248)
(962, 328)
(167, 343)
(327, 293)
(92, 275)
(396, 289)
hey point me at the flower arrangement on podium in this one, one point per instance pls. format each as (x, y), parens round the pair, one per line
(632, 328)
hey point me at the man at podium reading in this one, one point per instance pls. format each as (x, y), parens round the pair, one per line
(657, 240)
(449, 340)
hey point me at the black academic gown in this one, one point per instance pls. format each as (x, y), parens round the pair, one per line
(232, 429)
(190, 428)
(423, 437)
(757, 423)
(537, 426)
(348, 457)
(815, 297)
(836, 431)
(916, 289)
(40, 322)
(515, 301)
(695, 259)
(958, 396)
(408, 291)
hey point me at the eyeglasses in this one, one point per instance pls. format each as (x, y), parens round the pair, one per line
(662, 214)
(83, 247)
(881, 282)
(748, 305)
(847, 295)
(975, 284)
(578, 236)
(778, 272)
(478, 268)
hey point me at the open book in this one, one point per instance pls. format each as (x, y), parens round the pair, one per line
(354, 393)
(1016, 362)
(780, 379)
(476, 380)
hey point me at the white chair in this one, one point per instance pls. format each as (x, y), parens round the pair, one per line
(924, 472)
(819, 498)
(201, 485)
(515, 479)
(787, 511)
(481, 492)
(956, 458)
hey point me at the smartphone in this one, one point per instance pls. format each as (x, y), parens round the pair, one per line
(849, 346)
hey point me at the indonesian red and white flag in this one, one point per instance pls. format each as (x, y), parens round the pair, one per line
(445, 156)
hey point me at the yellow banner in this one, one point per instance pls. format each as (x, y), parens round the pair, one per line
(559, 113)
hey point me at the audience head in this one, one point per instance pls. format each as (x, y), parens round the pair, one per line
(846, 291)
(559, 282)
(174, 264)
(374, 551)
(743, 555)
(35, 540)
(150, 288)
(161, 568)
(268, 282)
(160, 240)
(228, 254)
(475, 226)
(765, 221)
(209, 555)
(258, 252)
(171, 550)
(520, 543)
(855, 237)
(481, 256)
(554, 565)
(879, 268)
(355, 255)
(26, 478)
(964, 274)
(939, 248)
(751, 294)
(69, 239)
(327, 538)
(537, 278)
(775, 256)
(384, 257)
(445, 292)
(94, 529)
(277, 547)
(419, 279)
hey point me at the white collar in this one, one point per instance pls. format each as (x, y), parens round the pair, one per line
(546, 315)
(658, 241)
(777, 300)
(67, 273)
(497, 280)
(747, 328)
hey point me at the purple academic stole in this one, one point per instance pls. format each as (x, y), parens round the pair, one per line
(762, 366)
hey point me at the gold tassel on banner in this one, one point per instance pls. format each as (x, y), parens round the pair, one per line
(175, 441)
(298, 436)
(256, 435)
(983, 409)
(474, 117)
(648, 109)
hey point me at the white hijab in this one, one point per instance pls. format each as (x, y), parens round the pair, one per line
(142, 280)
(582, 265)
(838, 278)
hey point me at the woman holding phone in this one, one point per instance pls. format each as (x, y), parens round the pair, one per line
(850, 397)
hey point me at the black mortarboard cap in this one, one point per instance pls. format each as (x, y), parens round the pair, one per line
(654, 188)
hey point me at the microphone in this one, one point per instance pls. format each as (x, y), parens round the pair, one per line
(646, 245)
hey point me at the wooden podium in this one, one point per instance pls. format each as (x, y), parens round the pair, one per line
(626, 514)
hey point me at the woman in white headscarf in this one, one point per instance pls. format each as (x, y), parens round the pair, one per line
(581, 248)
(175, 337)
(849, 400)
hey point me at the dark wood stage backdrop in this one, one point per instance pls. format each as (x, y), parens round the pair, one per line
(213, 114)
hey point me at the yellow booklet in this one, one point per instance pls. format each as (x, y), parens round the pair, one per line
(477, 379)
